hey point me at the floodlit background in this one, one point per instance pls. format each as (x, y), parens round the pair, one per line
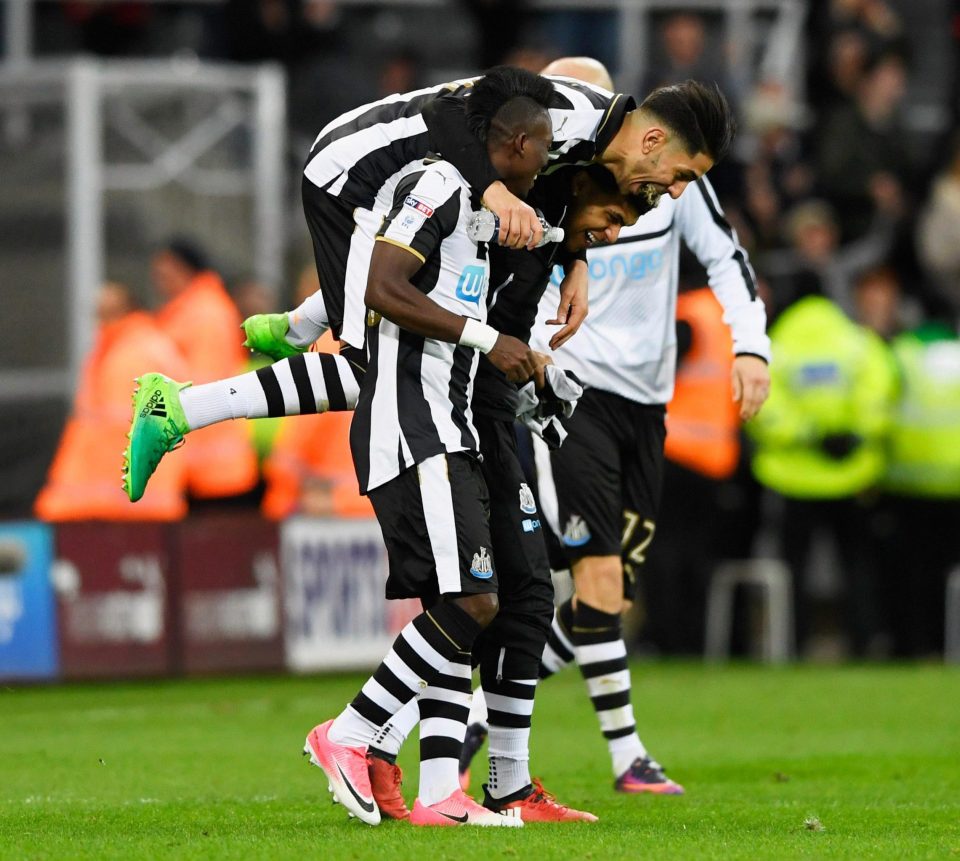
(132, 133)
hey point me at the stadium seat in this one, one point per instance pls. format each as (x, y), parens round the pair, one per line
(771, 579)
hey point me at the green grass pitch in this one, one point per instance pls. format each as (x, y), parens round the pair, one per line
(799, 762)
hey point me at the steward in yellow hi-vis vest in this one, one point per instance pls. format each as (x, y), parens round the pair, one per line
(822, 433)
(924, 443)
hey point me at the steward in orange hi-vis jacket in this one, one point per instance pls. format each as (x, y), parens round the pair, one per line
(202, 319)
(84, 480)
(702, 418)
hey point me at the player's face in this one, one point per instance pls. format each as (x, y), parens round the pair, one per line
(664, 169)
(530, 155)
(597, 219)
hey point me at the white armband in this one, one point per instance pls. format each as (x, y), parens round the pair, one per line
(478, 335)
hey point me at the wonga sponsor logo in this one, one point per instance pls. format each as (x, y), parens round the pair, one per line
(635, 265)
(472, 283)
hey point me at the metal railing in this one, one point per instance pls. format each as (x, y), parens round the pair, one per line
(100, 96)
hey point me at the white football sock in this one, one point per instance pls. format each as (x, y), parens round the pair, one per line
(233, 398)
(623, 751)
(352, 729)
(308, 321)
(391, 736)
(509, 760)
(478, 709)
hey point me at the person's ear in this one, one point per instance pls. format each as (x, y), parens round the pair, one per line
(653, 138)
(579, 184)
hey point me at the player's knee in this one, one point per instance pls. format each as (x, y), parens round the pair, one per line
(481, 608)
(599, 582)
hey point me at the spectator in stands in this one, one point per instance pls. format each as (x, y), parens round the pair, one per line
(863, 164)
(202, 320)
(682, 53)
(84, 479)
(816, 263)
(776, 176)
(820, 446)
(845, 34)
(938, 232)
(920, 541)
(877, 299)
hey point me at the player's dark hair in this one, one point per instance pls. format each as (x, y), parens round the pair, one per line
(519, 115)
(606, 182)
(696, 113)
(602, 178)
(499, 86)
(187, 251)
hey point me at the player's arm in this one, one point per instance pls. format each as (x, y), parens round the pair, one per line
(710, 237)
(390, 292)
(426, 210)
(446, 120)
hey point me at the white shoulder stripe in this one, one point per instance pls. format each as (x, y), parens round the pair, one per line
(338, 157)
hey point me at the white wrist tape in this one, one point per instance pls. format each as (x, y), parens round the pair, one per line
(478, 335)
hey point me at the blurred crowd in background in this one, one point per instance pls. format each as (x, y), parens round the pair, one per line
(850, 215)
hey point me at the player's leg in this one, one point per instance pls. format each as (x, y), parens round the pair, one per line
(643, 433)
(589, 473)
(429, 526)
(386, 777)
(509, 650)
(559, 650)
(165, 411)
(465, 569)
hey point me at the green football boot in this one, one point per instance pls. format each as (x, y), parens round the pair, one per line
(266, 334)
(158, 426)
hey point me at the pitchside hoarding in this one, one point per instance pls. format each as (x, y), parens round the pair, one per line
(230, 612)
(115, 596)
(28, 629)
(334, 573)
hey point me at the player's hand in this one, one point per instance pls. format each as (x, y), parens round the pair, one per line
(751, 384)
(514, 358)
(573, 308)
(540, 375)
(519, 225)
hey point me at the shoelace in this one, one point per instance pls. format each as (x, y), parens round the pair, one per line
(396, 771)
(172, 438)
(648, 765)
(542, 796)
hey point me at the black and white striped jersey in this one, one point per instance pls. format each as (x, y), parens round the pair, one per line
(360, 156)
(415, 399)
